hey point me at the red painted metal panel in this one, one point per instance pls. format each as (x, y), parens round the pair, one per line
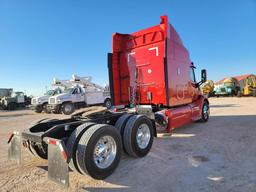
(145, 52)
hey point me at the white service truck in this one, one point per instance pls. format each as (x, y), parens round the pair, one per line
(82, 93)
(39, 104)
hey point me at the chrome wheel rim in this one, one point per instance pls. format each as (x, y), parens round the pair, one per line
(105, 152)
(143, 136)
(206, 111)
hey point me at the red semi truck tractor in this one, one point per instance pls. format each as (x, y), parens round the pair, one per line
(153, 88)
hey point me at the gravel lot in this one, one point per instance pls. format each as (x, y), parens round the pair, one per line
(216, 156)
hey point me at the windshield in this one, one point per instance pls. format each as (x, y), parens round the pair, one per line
(57, 91)
(68, 90)
(228, 84)
(13, 94)
(16, 94)
(50, 92)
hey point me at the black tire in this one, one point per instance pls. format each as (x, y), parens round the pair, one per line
(130, 131)
(239, 94)
(38, 109)
(72, 143)
(11, 106)
(56, 112)
(254, 92)
(30, 149)
(86, 146)
(205, 112)
(108, 103)
(40, 151)
(45, 109)
(120, 125)
(234, 93)
(68, 108)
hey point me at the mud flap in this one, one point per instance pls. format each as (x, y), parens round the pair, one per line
(14, 150)
(58, 169)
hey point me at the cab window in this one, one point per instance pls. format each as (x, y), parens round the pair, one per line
(76, 91)
(192, 75)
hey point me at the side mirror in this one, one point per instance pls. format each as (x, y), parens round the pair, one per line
(203, 75)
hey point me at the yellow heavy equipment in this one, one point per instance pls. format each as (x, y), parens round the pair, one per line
(207, 88)
(247, 85)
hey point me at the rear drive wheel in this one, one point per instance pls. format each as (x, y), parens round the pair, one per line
(108, 103)
(73, 142)
(68, 108)
(138, 136)
(99, 151)
(120, 125)
(205, 112)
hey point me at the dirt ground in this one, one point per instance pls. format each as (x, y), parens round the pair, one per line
(219, 155)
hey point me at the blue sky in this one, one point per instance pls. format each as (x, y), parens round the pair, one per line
(42, 39)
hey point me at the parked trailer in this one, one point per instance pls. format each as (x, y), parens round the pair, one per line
(153, 87)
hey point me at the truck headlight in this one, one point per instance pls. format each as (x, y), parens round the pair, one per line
(39, 101)
(58, 101)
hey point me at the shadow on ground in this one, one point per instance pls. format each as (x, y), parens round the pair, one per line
(158, 170)
(226, 105)
(15, 115)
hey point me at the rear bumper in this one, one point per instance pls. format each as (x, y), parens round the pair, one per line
(54, 107)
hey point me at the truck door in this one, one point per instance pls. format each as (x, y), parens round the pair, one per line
(20, 98)
(77, 95)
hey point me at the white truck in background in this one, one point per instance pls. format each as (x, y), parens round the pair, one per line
(39, 104)
(82, 93)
